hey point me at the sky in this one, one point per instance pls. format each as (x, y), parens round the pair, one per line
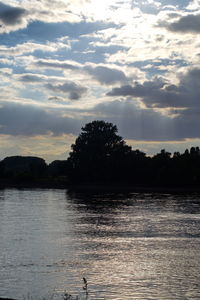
(135, 63)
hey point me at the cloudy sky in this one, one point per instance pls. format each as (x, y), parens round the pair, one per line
(63, 63)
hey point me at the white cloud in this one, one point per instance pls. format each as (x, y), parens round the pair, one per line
(151, 43)
(30, 47)
(14, 17)
(194, 5)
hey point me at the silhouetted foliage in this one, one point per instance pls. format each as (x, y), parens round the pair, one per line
(58, 172)
(99, 153)
(58, 168)
(19, 168)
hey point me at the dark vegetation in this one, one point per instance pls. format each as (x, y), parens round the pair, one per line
(101, 156)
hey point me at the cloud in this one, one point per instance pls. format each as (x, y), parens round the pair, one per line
(147, 7)
(6, 72)
(132, 121)
(103, 74)
(148, 125)
(12, 18)
(31, 78)
(109, 52)
(56, 99)
(175, 3)
(28, 120)
(30, 47)
(62, 16)
(53, 29)
(161, 94)
(106, 75)
(187, 124)
(193, 5)
(73, 90)
(55, 84)
(189, 23)
(139, 90)
(10, 15)
(57, 64)
(48, 147)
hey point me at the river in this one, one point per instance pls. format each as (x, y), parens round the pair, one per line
(127, 246)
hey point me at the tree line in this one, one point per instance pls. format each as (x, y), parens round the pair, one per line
(100, 155)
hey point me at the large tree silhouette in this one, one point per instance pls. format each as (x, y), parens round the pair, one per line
(98, 153)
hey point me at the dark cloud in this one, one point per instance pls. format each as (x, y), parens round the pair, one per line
(191, 78)
(102, 74)
(161, 94)
(27, 120)
(187, 124)
(74, 90)
(132, 121)
(136, 123)
(56, 99)
(138, 90)
(56, 65)
(106, 75)
(189, 23)
(149, 125)
(31, 78)
(11, 15)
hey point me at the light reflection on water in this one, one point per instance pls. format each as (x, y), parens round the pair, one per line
(128, 246)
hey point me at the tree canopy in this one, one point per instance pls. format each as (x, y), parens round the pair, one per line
(97, 151)
(100, 155)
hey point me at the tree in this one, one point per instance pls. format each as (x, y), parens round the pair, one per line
(162, 166)
(22, 168)
(98, 152)
(57, 168)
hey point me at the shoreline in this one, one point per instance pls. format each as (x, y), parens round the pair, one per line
(135, 189)
(1, 298)
(89, 187)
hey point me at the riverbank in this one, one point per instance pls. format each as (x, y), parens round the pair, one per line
(101, 187)
(6, 298)
(133, 188)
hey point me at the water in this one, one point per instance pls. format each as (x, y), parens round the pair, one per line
(128, 246)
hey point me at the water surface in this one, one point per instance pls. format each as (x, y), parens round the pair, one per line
(128, 246)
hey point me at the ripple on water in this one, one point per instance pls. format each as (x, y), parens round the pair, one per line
(128, 246)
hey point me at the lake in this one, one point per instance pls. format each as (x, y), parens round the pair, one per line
(127, 246)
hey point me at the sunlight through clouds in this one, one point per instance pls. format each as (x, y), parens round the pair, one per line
(64, 63)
